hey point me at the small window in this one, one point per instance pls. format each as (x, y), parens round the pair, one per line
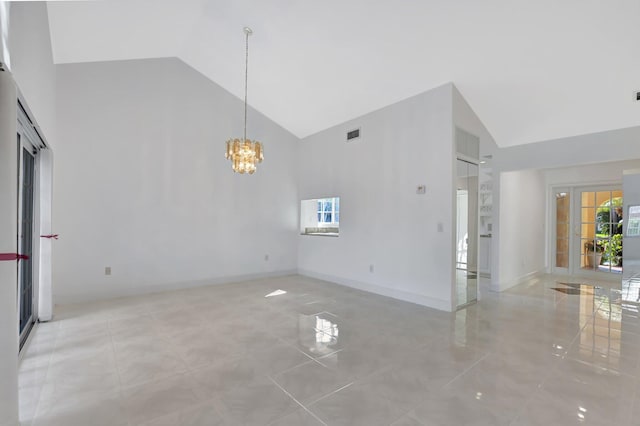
(320, 216)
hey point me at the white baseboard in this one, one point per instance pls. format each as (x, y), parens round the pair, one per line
(418, 299)
(125, 290)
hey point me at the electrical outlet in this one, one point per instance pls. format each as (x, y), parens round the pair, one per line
(107, 270)
(266, 257)
(440, 227)
(371, 268)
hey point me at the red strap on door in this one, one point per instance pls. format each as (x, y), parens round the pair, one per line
(13, 256)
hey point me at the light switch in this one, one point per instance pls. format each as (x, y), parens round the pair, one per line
(421, 189)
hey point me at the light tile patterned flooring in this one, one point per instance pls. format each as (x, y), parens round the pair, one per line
(325, 354)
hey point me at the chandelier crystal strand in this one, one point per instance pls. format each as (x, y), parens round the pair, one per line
(245, 154)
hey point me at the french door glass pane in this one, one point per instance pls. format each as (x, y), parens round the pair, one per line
(601, 246)
(562, 229)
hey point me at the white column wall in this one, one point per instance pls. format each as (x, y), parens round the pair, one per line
(631, 251)
(45, 296)
(8, 244)
(522, 205)
(392, 240)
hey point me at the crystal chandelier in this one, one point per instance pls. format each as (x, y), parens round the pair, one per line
(245, 154)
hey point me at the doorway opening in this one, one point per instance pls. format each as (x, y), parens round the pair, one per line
(588, 231)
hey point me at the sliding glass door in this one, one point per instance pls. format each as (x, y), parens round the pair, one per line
(27, 237)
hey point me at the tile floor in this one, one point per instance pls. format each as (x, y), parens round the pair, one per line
(325, 354)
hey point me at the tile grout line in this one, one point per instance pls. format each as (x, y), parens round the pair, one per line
(296, 401)
(466, 370)
(331, 393)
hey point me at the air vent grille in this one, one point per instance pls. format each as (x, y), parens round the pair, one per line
(353, 134)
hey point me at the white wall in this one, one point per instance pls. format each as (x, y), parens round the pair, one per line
(5, 57)
(8, 197)
(32, 62)
(631, 252)
(8, 244)
(142, 184)
(34, 72)
(522, 227)
(610, 172)
(614, 145)
(24, 37)
(383, 222)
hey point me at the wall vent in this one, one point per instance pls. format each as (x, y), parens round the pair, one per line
(353, 134)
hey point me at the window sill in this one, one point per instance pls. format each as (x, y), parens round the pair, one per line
(321, 234)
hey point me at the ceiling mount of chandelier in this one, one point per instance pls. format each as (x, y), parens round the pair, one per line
(244, 153)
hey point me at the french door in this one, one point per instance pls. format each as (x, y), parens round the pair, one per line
(588, 231)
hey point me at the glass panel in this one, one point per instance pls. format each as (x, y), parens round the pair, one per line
(466, 233)
(25, 284)
(562, 207)
(588, 214)
(591, 256)
(562, 230)
(562, 253)
(617, 220)
(588, 199)
(562, 260)
(602, 197)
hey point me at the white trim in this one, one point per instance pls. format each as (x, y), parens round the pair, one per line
(27, 342)
(442, 305)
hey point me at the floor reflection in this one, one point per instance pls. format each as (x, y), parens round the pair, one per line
(599, 340)
(318, 333)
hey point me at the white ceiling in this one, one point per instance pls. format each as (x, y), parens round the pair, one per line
(532, 70)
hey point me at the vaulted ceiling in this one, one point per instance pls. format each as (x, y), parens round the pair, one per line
(531, 70)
